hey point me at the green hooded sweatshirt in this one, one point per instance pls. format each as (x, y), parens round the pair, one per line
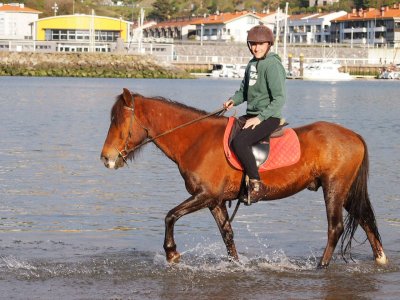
(263, 87)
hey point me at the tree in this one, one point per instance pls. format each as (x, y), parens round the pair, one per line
(163, 10)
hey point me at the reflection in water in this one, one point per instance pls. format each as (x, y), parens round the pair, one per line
(70, 228)
(328, 101)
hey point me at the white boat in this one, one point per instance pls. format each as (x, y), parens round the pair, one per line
(228, 70)
(223, 70)
(390, 72)
(390, 75)
(325, 71)
(240, 70)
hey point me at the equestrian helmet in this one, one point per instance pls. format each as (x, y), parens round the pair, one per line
(260, 34)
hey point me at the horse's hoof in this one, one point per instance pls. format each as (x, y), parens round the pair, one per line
(173, 258)
(322, 266)
(382, 260)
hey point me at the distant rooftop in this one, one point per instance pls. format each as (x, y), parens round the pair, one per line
(372, 13)
(18, 8)
(222, 18)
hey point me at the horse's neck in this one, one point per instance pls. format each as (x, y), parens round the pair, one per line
(162, 116)
(166, 122)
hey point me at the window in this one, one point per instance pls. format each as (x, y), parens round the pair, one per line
(251, 20)
(63, 35)
(2, 25)
(81, 35)
(71, 35)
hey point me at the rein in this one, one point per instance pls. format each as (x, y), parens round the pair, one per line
(217, 112)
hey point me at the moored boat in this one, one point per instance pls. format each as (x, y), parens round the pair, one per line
(325, 71)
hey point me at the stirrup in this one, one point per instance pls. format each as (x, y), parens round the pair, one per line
(246, 199)
(257, 194)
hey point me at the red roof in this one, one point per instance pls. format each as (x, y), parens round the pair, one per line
(371, 13)
(222, 18)
(17, 8)
(176, 23)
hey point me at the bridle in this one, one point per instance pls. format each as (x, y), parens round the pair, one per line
(125, 152)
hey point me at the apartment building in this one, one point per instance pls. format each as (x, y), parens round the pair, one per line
(377, 27)
(311, 28)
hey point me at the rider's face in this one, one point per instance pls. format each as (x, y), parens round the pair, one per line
(259, 50)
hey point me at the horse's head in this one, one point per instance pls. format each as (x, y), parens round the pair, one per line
(124, 134)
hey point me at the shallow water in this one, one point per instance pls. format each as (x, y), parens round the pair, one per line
(71, 229)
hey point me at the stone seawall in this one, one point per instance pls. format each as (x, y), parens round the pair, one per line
(85, 65)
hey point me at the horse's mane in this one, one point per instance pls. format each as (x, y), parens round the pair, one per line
(181, 105)
(118, 107)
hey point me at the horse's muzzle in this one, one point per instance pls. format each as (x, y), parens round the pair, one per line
(109, 163)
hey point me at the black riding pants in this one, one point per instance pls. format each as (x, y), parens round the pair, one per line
(242, 142)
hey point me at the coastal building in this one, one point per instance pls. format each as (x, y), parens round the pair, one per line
(319, 3)
(311, 28)
(226, 26)
(218, 27)
(377, 27)
(16, 20)
(274, 20)
(86, 33)
(168, 31)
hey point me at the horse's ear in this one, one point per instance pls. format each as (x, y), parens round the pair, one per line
(127, 97)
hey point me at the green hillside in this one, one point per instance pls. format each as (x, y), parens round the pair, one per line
(165, 9)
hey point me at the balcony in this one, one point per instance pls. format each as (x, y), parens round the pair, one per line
(380, 29)
(355, 30)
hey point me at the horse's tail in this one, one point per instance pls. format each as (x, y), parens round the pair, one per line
(358, 206)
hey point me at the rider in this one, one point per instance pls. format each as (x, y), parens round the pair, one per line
(263, 87)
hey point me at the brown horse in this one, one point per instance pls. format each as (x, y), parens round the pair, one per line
(332, 157)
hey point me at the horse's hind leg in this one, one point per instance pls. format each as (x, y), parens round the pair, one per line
(192, 204)
(334, 212)
(221, 216)
(376, 245)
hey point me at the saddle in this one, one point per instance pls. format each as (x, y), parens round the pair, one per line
(281, 149)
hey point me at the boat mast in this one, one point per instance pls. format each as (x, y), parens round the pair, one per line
(285, 33)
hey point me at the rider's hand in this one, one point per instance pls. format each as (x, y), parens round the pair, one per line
(228, 104)
(252, 122)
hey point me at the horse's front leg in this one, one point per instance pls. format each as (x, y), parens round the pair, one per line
(220, 214)
(192, 204)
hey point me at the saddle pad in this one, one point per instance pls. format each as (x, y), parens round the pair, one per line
(284, 150)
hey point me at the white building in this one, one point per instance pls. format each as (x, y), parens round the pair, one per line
(274, 20)
(16, 20)
(226, 26)
(169, 30)
(311, 28)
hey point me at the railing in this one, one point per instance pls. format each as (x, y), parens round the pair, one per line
(355, 30)
(210, 60)
(380, 29)
(206, 59)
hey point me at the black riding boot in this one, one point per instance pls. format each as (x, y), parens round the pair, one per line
(256, 191)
